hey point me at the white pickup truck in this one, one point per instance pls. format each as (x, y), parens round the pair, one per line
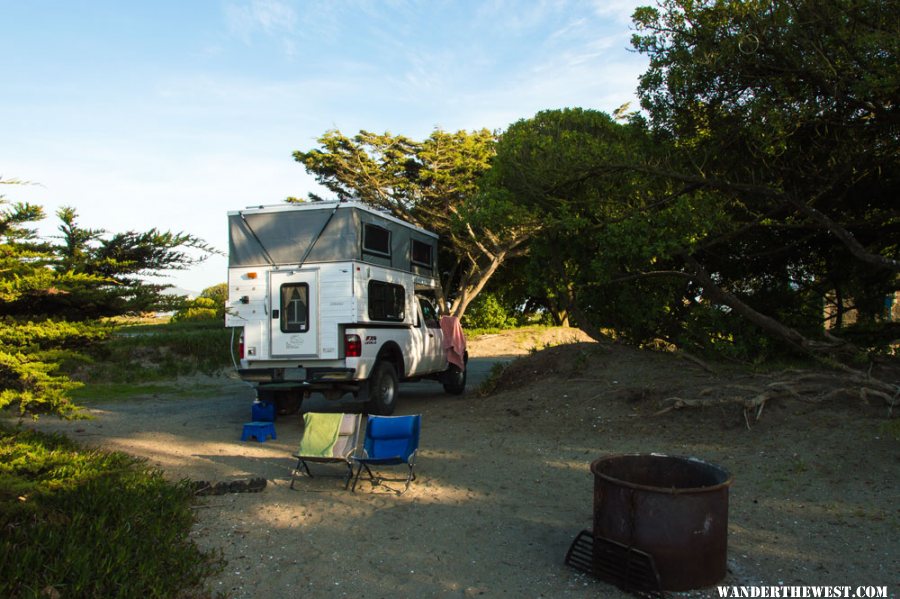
(336, 297)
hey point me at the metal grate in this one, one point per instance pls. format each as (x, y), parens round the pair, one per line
(628, 568)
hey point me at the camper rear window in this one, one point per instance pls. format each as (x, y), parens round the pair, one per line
(421, 254)
(387, 301)
(294, 308)
(377, 240)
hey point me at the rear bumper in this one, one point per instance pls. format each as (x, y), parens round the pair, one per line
(311, 378)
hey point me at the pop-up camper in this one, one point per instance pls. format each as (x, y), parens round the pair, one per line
(335, 297)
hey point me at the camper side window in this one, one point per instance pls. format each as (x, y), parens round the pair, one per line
(420, 254)
(376, 240)
(387, 301)
(295, 308)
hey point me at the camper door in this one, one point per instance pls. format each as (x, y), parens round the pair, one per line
(294, 315)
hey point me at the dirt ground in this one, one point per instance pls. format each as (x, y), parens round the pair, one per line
(504, 481)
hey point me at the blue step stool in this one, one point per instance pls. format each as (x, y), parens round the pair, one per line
(259, 431)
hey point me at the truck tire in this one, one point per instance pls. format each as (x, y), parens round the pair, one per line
(454, 380)
(380, 393)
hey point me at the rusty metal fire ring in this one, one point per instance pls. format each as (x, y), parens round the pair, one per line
(674, 508)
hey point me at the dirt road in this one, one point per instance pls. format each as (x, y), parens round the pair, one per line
(504, 483)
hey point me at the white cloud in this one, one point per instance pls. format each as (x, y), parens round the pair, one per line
(618, 10)
(573, 27)
(178, 145)
(269, 17)
(273, 16)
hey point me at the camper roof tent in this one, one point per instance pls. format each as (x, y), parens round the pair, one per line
(328, 232)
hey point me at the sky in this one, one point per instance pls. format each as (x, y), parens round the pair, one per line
(169, 114)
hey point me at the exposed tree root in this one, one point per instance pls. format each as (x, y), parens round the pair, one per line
(800, 385)
(692, 358)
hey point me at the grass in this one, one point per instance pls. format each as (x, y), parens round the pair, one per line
(90, 523)
(157, 352)
(490, 384)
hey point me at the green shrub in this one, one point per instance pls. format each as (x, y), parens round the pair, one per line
(32, 355)
(218, 294)
(202, 308)
(486, 312)
(492, 382)
(209, 306)
(160, 351)
(88, 523)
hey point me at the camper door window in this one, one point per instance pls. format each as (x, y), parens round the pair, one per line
(387, 301)
(294, 308)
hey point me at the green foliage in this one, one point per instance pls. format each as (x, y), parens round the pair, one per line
(764, 182)
(493, 380)
(434, 184)
(88, 274)
(52, 294)
(486, 312)
(785, 114)
(112, 269)
(218, 293)
(199, 310)
(209, 306)
(603, 222)
(87, 523)
(160, 351)
(31, 357)
(202, 308)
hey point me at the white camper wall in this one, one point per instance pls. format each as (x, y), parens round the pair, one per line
(337, 305)
(252, 316)
(366, 273)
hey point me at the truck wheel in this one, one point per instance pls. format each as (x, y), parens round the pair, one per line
(454, 380)
(381, 389)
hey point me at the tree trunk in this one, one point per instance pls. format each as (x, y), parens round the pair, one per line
(793, 337)
(473, 281)
(584, 323)
(559, 313)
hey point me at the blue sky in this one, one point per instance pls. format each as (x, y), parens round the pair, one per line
(169, 114)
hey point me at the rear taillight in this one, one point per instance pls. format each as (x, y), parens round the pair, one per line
(352, 346)
(241, 347)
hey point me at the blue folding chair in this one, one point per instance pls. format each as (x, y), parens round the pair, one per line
(389, 441)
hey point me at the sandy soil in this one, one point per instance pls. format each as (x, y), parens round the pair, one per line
(504, 483)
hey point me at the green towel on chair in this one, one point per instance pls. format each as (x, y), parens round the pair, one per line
(320, 434)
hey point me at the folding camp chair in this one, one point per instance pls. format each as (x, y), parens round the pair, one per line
(389, 441)
(327, 438)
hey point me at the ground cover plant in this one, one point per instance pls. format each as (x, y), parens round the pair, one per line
(88, 523)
